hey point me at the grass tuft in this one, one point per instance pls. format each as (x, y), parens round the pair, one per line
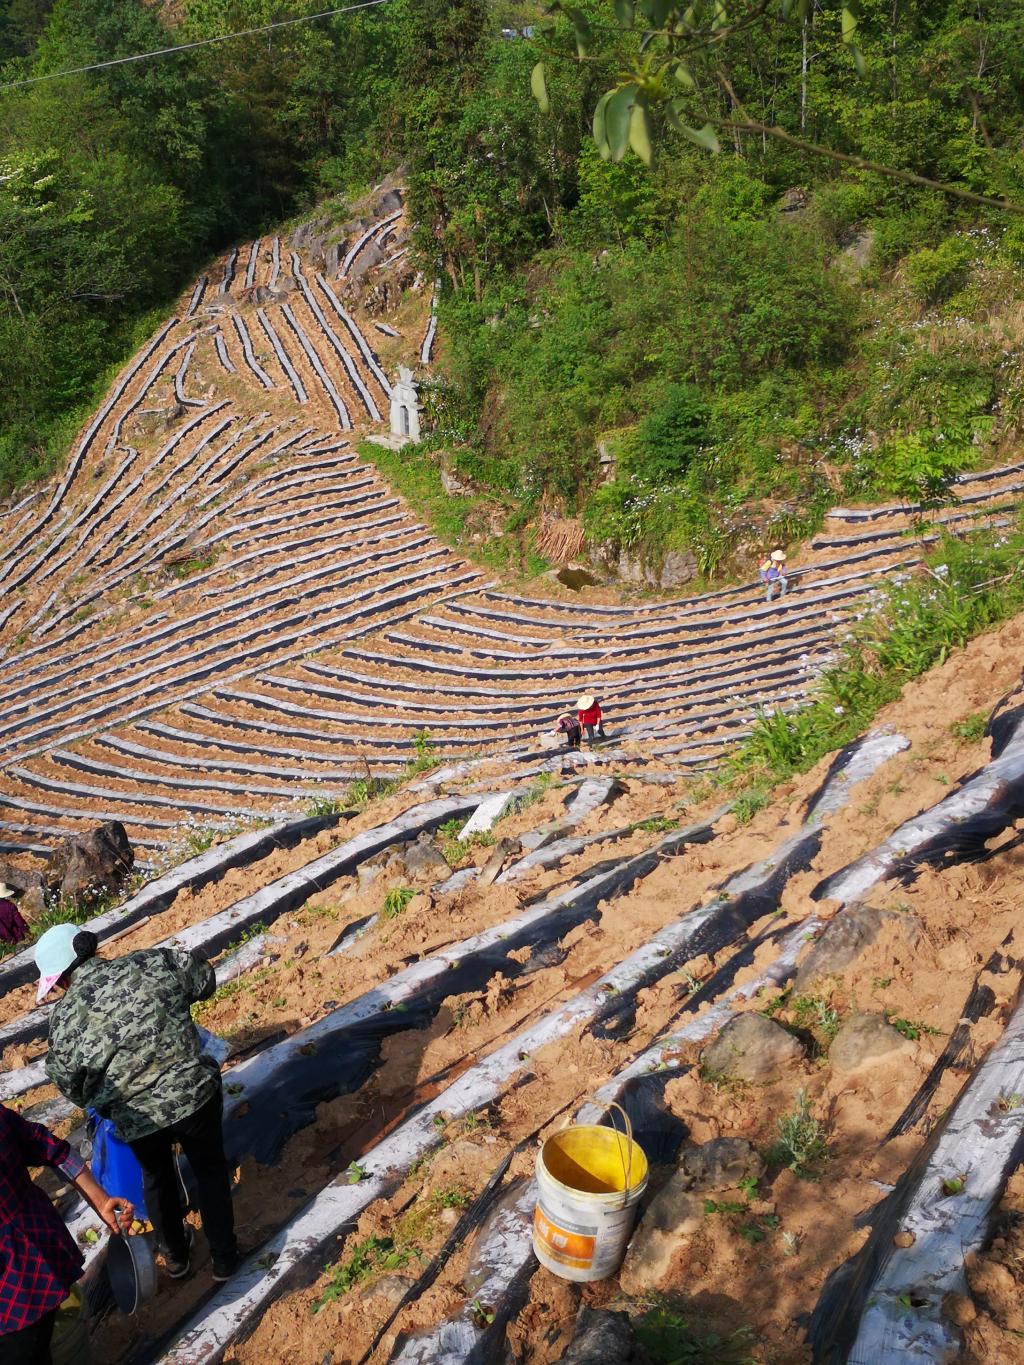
(670, 1340)
(801, 1145)
(395, 901)
(971, 728)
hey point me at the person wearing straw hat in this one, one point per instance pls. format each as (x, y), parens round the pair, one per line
(13, 928)
(122, 1042)
(39, 1260)
(588, 713)
(772, 573)
(569, 726)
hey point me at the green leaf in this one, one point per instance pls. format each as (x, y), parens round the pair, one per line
(624, 12)
(850, 21)
(640, 132)
(617, 120)
(684, 77)
(600, 131)
(539, 88)
(705, 137)
(860, 66)
(581, 27)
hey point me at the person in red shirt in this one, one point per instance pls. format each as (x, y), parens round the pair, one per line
(39, 1261)
(588, 711)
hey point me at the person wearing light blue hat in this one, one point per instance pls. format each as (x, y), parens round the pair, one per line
(56, 955)
(122, 1042)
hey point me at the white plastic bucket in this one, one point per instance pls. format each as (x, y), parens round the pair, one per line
(590, 1179)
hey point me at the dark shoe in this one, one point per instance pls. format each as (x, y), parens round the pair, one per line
(224, 1269)
(178, 1270)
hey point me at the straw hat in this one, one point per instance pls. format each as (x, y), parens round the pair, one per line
(585, 702)
(779, 556)
(567, 715)
(6, 892)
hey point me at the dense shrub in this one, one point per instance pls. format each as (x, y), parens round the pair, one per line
(670, 435)
(677, 305)
(934, 273)
(721, 307)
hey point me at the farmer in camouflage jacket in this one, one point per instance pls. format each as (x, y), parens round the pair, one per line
(122, 1041)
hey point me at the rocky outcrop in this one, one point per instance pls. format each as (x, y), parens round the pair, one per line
(720, 1164)
(602, 1337)
(86, 866)
(676, 568)
(421, 860)
(865, 1039)
(752, 1048)
(843, 941)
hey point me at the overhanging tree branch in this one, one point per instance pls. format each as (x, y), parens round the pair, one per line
(749, 126)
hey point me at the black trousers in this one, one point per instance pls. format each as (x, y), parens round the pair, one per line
(590, 731)
(30, 1346)
(201, 1136)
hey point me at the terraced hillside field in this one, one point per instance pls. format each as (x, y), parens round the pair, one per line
(220, 614)
(220, 610)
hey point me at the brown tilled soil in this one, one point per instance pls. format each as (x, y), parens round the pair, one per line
(920, 970)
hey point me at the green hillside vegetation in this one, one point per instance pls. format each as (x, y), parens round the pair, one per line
(752, 335)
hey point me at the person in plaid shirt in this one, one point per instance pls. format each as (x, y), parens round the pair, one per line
(39, 1261)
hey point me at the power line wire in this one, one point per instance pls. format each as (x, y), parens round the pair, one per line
(188, 47)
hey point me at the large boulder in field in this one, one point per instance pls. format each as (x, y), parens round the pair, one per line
(423, 859)
(85, 866)
(846, 936)
(673, 570)
(864, 1040)
(420, 860)
(720, 1164)
(752, 1048)
(371, 255)
(20, 878)
(31, 888)
(674, 1216)
(602, 1337)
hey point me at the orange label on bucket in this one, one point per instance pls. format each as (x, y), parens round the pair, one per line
(568, 1248)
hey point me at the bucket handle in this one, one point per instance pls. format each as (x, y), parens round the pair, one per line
(627, 1165)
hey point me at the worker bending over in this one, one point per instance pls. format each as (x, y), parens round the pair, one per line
(570, 727)
(122, 1041)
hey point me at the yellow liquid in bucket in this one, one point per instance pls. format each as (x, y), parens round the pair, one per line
(590, 1180)
(594, 1160)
